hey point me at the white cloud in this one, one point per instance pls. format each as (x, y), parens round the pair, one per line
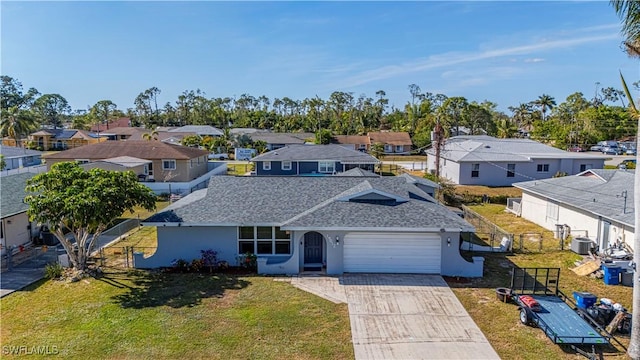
(456, 58)
(534, 60)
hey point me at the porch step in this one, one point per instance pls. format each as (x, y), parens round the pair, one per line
(313, 267)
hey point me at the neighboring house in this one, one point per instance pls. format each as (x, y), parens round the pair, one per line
(485, 160)
(393, 142)
(201, 130)
(15, 227)
(279, 140)
(597, 204)
(334, 224)
(173, 163)
(62, 139)
(312, 160)
(123, 133)
(122, 163)
(359, 142)
(164, 136)
(16, 158)
(122, 122)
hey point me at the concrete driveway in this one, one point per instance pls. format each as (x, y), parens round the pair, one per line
(403, 316)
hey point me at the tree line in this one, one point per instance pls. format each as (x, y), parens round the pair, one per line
(577, 120)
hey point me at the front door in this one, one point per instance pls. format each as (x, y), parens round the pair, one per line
(313, 248)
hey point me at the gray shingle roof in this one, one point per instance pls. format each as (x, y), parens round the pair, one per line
(479, 148)
(281, 138)
(12, 194)
(317, 152)
(199, 129)
(357, 172)
(599, 192)
(310, 202)
(419, 180)
(15, 152)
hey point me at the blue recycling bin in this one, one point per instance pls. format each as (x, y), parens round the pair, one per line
(584, 299)
(611, 274)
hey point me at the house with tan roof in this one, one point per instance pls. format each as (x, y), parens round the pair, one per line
(62, 139)
(359, 142)
(393, 142)
(118, 123)
(167, 163)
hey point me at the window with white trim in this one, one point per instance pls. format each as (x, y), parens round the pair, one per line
(543, 168)
(266, 165)
(388, 148)
(168, 164)
(475, 170)
(399, 148)
(263, 240)
(585, 167)
(326, 166)
(83, 161)
(286, 165)
(552, 212)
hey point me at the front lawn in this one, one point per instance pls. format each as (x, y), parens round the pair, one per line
(499, 321)
(148, 315)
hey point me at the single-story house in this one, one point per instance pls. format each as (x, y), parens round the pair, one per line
(279, 140)
(485, 160)
(359, 142)
(596, 203)
(312, 160)
(122, 133)
(334, 224)
(15, 227)
(201, 130)
(122, 163)
(174, 163)
(16, 157)
(62, 139)
(122, 122)
(393, 142)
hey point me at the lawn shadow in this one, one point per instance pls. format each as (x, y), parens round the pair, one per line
(151, 289)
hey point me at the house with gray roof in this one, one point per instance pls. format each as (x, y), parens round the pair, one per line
(279, 140)
(17, 157)
(330, 224)
(312, 160)
(200, 130)
(596, 203)
(15, 227)
(485, 160)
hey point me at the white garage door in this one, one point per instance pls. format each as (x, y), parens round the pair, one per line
(392, 253)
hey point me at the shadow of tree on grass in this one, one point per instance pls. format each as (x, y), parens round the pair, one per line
(151, 289)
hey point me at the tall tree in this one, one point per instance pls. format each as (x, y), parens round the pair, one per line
(16, 116)
(103, 111)
(52, 109)
(84, 202)
(545, 102)
(629, 13)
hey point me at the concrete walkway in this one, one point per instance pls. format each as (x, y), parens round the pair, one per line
(403, 316)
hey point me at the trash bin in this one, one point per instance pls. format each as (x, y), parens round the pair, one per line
(611, 274)
(626, 278)
(584, 299)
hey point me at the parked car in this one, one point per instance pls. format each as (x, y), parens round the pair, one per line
(627, 164)
(220, 156)
(612, 150)
(575, 148)
(602, 144)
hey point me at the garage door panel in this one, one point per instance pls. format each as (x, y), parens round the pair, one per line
(392, 253)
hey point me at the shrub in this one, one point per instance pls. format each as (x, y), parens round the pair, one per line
(209, 258)
(196, 265)
(53, 271)
(222, 265)
(164, 196)
(180, 264)
(249, 261)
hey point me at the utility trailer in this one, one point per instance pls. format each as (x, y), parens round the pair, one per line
(542, 304)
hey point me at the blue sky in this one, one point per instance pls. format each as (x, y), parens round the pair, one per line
(505, 52)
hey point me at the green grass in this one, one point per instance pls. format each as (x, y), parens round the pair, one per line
(499, 321)
(238, 169)
(142, 213)
(143, 315)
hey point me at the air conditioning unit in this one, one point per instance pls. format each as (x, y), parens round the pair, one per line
(581, 246)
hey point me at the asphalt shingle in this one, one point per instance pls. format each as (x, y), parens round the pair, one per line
(12, 194)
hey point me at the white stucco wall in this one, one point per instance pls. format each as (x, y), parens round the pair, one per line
(534, 209)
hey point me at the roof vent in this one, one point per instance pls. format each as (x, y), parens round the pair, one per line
(487, 147)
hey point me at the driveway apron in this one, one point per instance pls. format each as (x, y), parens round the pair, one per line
(410, 317)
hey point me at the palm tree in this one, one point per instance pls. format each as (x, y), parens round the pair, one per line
(150, 136)
(506, 128)
(545, 102)
(17, 123)
(629, 13)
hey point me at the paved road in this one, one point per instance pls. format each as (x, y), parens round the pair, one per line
(403, 316)
(615, 159)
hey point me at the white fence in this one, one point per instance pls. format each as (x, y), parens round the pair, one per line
(29, 169)
(217, 168)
